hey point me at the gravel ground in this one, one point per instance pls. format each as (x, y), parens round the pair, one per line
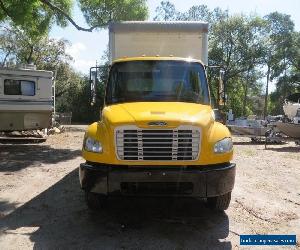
(42, 206)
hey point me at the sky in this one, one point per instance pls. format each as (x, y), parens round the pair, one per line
(86, 47)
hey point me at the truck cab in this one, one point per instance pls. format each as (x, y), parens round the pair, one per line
(157, 135)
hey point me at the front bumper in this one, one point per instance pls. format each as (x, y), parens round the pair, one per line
(190, 181)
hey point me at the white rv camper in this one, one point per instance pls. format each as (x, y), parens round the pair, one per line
(25, 99)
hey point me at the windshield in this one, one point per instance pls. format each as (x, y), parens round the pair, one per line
(157, 81)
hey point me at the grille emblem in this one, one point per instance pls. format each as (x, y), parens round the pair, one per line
(160, 123)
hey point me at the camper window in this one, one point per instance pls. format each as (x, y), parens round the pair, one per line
(19, 87)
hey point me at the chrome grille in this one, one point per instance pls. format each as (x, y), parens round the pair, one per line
(180, 144)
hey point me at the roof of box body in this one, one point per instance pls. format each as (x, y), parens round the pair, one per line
(154, 26)
(25, 72)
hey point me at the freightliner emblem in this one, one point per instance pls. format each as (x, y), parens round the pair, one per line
(157, 123)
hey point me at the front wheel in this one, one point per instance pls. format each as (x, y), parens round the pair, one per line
(95, 201)
(219, 203)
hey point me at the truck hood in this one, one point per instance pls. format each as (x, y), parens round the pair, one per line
(173, 113)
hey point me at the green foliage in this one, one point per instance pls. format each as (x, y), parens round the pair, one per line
(99, 13)
(37, 17)
(33, 15)
(282, 58)
(165, 12)
(17, 46)
(76, 99)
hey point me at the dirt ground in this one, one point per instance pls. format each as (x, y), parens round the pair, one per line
(42, 206)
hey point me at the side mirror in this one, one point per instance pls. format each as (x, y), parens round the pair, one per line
(93, 83)
(93, 79)
(222, 95)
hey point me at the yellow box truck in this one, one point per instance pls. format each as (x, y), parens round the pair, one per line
(157, 135)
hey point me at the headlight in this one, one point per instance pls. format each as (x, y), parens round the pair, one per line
(223, 146)
(92, 145)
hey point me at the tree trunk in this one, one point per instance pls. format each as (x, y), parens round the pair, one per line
(267, 93)
(245, 99)
(29, 58)
(5, 58)
(245, 93)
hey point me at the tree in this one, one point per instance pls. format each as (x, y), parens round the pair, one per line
(196, 13)
(279, 50)
(289, 81)
(235, 44)
(38, 16)
(98, 13)
(165, 12)
(19, 47)
(34, 16)
(252, 52)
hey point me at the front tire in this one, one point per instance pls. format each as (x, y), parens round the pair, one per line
(219, 203)
(95, 201)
